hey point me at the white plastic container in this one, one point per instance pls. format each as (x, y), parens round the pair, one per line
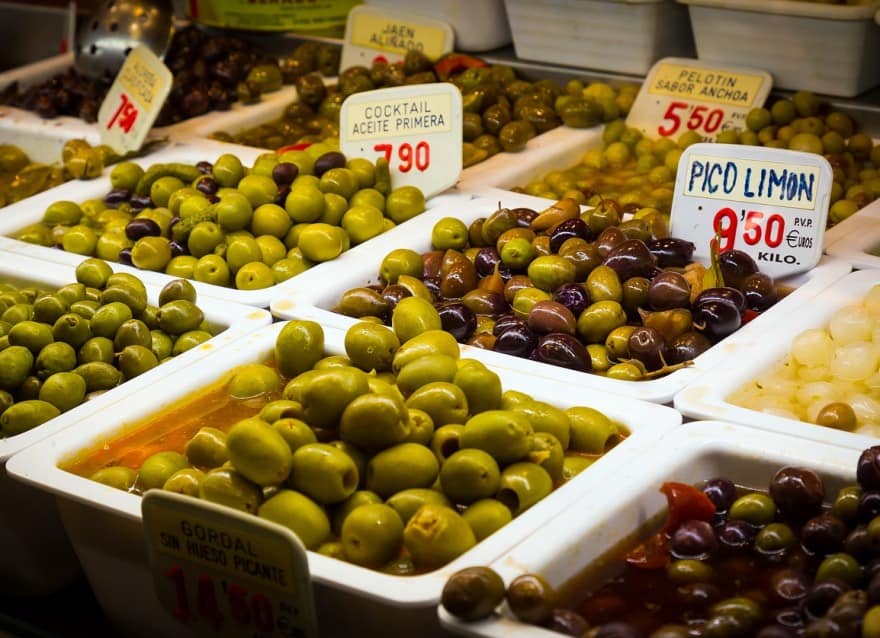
(820, 47)
(478, 26)
(30, 211)
(626, 36)
(314, 295)
(759, 351)
(595, 524)
(105, 528)
(857, 238)
(36, 557)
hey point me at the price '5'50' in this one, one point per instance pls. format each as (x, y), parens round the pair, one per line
(409, 157)
(700, 118)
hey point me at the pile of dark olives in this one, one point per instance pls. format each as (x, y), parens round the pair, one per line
(583, 291)
(729, 562)
(502, 112)
(397, 455)
(224, 224)
(62, 346)
(210, 73)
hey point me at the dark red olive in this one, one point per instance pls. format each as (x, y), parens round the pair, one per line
(566, 230)
(858, 544)
(515, 338)
(433, 286)
(205, 167)
(457, 319)
(647, 345)
(668, 290)
(608, 240)
(821, 596)
(433, 261)
(563, 350)
(798, 492)
(735, 266)
(551, 316)
(687, 347)
(735, 534)
(284, 173)
(140, 202)
(485, 260)
(281, 197)
(573, 296)
(722, 293)
(823, 534)
(177, 249)
(788, 585)
(116, 197)
(142, 227)
(125, 256)
(505, 321)
(868, 468)
(716, 319)
(672, 251)
(693, 539)
(524, 216)
(759, 291)
(393, 294)
(486, 302)
(869, 506)
(630, 258)
(330, 159)
(722, 492)
(207, 185)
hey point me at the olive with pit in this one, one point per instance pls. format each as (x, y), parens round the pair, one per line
(472, 593)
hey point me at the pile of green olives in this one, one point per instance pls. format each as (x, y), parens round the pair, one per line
(728, 562)
(640, 172)
(397, 455)
(580, 290)
(60, 347)
(502, 112)
(224, 224)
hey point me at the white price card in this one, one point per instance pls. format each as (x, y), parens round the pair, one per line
(770, 203)
(225, 573)
(134, 100)
(417, 129)
(681, 94)
(374, 34)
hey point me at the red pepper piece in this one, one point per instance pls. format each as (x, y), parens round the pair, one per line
(456, 62)
(748, 315)
(301, 146)
(652, 554)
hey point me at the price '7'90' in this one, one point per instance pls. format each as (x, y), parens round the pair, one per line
(757, 228)
(700, 118)
(407, 155)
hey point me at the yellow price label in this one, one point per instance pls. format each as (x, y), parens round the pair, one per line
(706, 84)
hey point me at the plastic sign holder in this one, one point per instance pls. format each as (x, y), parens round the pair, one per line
(225, 573)
(770, 203)
(134, 100)
(681, 94)
(374, 34)
(417, 129)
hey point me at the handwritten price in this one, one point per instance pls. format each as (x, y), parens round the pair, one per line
(756, 228)
(409, 156)
(125, 115)
(700, 118)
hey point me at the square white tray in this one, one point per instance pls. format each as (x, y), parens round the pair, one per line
(855, 237)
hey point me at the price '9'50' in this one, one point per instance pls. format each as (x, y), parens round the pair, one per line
(756, 228)
(409, 156)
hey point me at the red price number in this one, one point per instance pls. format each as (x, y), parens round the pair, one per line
(694, 118)
(125, 116)
(408, 156)
(243, 609)
(757, 228)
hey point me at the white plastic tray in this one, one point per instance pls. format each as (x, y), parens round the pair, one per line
(857, 235)
(594, 525)
(626, 36)
(314, 294)
(36, 557)
(18, 215)
(105, 529)
(825, 48)
(759, 351)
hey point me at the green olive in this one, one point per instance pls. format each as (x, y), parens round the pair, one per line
(444, 402)
(413, 316)
(755, 508)
(841, 566)
(324, 473)
(299, 345)
(300, 514)
(372, 534)
(253, 380)
(481, 386)
(185, 481)
(469, 475)
(436, 535)
(371, 346)
(684, 571)
(158, 467)
(343, 509)
(845, 506)
(374, 421)
(328, 392)
(228, 487)
(135, 360)
(486, 516)
(116, 476)
(64, 390)
(403, 203)
(207, 448)
(16, 363)
(522, 485)
(24, 415)
(403, 466)
(259, 452)
(504, 434)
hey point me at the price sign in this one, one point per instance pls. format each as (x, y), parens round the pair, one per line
(134, 100)
(373, 34)
(682, 95)
(224, 573)
(770, 203)
(417, 129)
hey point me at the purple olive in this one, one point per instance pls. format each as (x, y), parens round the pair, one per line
(760, 291)
(788, 585)
(330, 159)
(142, 227)
(563, 350)
(116, 197)
(433, 286)
(687, 347)
(504, 321)
(735, 534)
(868, 468)
(821, 596)
(858, 544)
(722, 293)
(608, 240)
(823, 534)
(735, 266)
(668, 290)
(284, 173)
(485, 302)
(207, 185)
(722, 493)
(514, 338)
(869, 506)
(524, 216)
(693, 539)
(393, 294)
(281, 197)
(566, 230)
(672, 251)
(125, 256)
(630, 258)
(457, 319)
(177, 249)
(140, 202)
(573, 296)
(485, 260)
(716, 319)
(205, 167)
(798, 492)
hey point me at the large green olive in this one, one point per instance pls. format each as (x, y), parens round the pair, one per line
(522, 485)
(372, 534)
(298, 347)
(258, 452)
(403, 466)
(300, 514)
(207, 448)
(486, 516)
(469, 475)
(374, 421)
(436, 535)
(324, 473)
(158, 468)
(407, 502)
(24, 415)
(506, 435)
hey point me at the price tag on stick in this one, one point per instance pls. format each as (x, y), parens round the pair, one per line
(770, 203)
(416, 128)
(224, 573)
(680, 95)
(134, 101)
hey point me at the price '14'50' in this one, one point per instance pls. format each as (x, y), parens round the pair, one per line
(409, 156)
(699, 118)
(757, 228)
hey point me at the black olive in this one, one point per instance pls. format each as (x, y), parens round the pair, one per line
(823, 534)
(563, 350)
(798, 492)
(457, 319)
(672, 251)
